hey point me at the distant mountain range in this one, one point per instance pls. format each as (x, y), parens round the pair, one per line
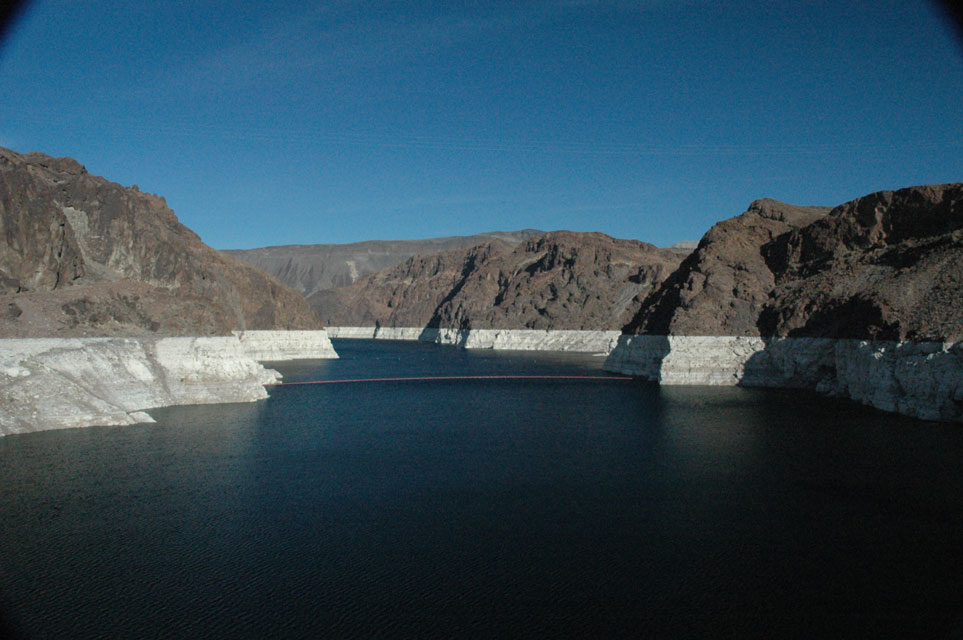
(310, 268)
(560, 279)
(325, 273)
(888, 266)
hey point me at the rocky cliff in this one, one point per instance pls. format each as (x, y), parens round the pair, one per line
(80, 255)
(408, 294)
(313, 268)
(862, 301)
(886, 266)
(721, 287)
(559, 280)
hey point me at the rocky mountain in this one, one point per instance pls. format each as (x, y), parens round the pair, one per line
(80, 255)
(559, 280)
(310, 268)
(888, 266)
(721, 287)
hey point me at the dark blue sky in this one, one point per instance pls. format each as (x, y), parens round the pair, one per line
(647, 119)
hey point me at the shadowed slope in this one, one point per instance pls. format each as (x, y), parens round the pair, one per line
(560, 280)
(80, 255)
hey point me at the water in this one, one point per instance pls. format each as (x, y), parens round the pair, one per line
(526, 508)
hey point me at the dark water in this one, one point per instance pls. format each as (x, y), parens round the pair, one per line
(501, 508)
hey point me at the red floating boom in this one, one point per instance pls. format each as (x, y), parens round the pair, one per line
(424, 378)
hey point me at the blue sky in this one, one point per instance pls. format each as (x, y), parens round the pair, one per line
(319, 122)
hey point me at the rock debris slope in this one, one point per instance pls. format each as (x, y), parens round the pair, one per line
(80, 255)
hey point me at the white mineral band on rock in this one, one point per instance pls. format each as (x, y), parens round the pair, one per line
(274, 346)
(601, 342)
(52, 383)
(918, 379)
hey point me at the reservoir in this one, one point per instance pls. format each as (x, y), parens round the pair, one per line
(492, 507)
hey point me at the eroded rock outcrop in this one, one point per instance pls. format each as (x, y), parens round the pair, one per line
(80, 255)
(862, 301)
(59, 383)
(722, 286)
(316, 269)
(275, 346)
(560, 280)
(408, 294)
(886, 266)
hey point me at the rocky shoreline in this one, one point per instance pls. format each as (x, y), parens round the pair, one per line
(918, 379)
(601, 342)
(61, 383)
(276, 346)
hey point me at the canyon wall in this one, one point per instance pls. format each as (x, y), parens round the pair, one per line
(919, 379)
(83, 256)
(887, 266)
(96, 280)
(862, 301)
(559, 280)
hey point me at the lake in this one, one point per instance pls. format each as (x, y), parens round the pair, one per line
(494, 507)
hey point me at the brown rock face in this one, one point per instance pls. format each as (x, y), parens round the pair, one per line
(721, 287)
(560, 280)
(886, 266)
(406, 295)
(81, 255)
(316, 268)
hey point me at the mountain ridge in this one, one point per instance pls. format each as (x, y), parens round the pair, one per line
(558, 280)
(80, 255)
(888, 265)
(310, 268)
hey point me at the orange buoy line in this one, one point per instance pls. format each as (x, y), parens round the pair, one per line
(422, 378)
